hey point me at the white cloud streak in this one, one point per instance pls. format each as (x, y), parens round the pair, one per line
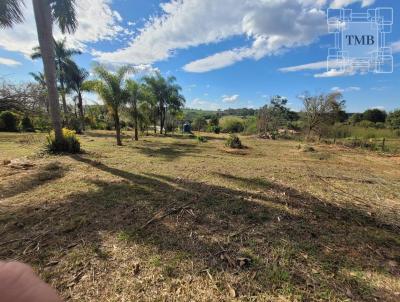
(9, 62)
(230, 98)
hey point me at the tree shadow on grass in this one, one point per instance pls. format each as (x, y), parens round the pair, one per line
(169, 152)
(295, 243)
(106, 134)
(32, 178)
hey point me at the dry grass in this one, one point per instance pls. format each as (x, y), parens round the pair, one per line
(273, 224)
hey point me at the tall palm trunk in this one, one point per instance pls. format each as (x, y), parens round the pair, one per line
(64, 101)
(117, 127)
(44, 25)
(81, 113)
(155, 121)
(135, 112)
(161, 117)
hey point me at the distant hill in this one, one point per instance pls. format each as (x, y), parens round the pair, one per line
(190, 114)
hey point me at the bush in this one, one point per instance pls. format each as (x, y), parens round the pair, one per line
(233, 142)
(366, 124)
(9, 121)
(69, 144)
(201, 139)
(75, 124)
(215, 129)
(42, 123)
(393, 119)
(250, 125)
(232, 124)
(26, 125)
(199, 123)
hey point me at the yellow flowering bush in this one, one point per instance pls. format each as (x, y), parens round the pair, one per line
(69, 144)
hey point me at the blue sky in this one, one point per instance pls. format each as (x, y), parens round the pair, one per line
(225, 53)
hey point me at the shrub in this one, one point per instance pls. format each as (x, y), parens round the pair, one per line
(75, 124)
(250, 125)
(233, 142)
(366, 124)
(26, 124)
(9, 121)
(232, 124)
(216, 129)
(69, 144)
(199, 123)
(201, 139)
(42, 123)
(394, 119)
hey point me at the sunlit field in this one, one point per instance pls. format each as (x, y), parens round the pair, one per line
(170, 218)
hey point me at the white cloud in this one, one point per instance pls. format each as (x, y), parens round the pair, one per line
(9, 62)
(333, 73)
(97, 21)
(271, 26)
(203, 104)
(348, 89)
(396, 47)
(310, 66)
(230, 99)
(344, 3)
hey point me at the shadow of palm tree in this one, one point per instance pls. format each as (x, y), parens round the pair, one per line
(290, 238)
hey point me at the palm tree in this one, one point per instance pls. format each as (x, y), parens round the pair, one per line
(64, 63)
(75, 78)
(41, 81)
(111, 87)
(61, 11)
(137, 94)
(167, 94)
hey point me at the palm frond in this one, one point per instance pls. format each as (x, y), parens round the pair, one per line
(36, 53)
(64, 13)
(11, 12)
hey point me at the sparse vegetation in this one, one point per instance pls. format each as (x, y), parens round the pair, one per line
(224, 226)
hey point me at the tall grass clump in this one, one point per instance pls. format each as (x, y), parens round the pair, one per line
(70, 143)
(232, 124)
(233, 141)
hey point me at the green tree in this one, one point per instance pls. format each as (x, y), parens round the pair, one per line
(26, 124)
(375, 115)
(63, 13)
(75, 78)
(64, 65)
(273, 116)
(111, 87)
(321, 111)
(137, 95)
(167, 93)
(356, 118)
(199, 123)
(8, 121)
(393, 119)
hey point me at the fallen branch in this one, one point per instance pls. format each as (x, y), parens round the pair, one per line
(157, 218)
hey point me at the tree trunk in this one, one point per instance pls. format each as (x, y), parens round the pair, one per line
(64, 101)
(155, 122)
(135, 112)
(117, 127)
(161, 117)
(81, 114)
(44, 27)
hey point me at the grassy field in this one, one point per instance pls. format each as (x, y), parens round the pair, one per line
(172, 219)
